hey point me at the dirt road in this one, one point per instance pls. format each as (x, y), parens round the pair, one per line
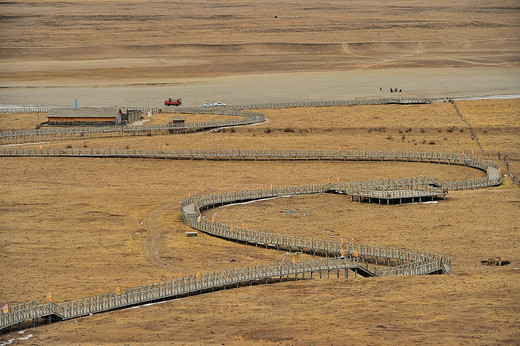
(279, 87)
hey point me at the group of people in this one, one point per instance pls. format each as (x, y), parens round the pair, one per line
(396, 90)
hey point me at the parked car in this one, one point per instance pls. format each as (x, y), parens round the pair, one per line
(221, 104)
(207, 104)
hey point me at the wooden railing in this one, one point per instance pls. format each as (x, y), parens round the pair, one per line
(245, 118)
(418, 263)
(371, 260)
(378, 101)
(174, 288)
(72, 133)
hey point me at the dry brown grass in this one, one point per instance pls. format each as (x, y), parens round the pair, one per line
(432, 127)
(74, 42)
(72, 226)
(21, 121)
(497, 125)
(496, 122)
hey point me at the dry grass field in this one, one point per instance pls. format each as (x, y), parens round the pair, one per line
(77, 41)
(77, 227)
(72, 226)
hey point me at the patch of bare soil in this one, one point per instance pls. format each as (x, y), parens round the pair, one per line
(76, 227)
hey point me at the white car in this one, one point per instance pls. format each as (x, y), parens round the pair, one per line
(207, 104)
(221, 104)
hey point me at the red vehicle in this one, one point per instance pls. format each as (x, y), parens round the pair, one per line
(170, 102)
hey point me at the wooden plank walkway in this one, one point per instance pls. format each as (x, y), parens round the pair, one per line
(243, 118)
(362, 259)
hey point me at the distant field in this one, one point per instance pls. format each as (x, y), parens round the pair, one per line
(130, 40)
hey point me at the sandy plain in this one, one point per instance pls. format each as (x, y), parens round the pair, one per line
(129, 53)
(72, 226)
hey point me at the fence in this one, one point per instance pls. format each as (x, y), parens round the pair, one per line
(33, 136)
(72, 133)
(515, 177)
(390, 100)
(371, 260)
(508, 161)
(469, 160)
(174, 288)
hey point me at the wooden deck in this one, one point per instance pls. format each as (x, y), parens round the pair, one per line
(336, 258)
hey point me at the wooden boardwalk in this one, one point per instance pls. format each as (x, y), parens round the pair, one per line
(242, 118)
(336, 258)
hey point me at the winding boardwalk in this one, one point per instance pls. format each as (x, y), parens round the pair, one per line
(336, 257)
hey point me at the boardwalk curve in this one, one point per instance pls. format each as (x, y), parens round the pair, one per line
(366, 260)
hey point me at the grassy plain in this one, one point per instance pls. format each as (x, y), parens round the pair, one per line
(72, 226)
(156, 43)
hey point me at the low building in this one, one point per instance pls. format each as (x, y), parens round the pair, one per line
(178, 121)
(91, 116)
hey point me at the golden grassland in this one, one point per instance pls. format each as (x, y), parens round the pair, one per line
(160, 42)
(77, 226)
(72, 226)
